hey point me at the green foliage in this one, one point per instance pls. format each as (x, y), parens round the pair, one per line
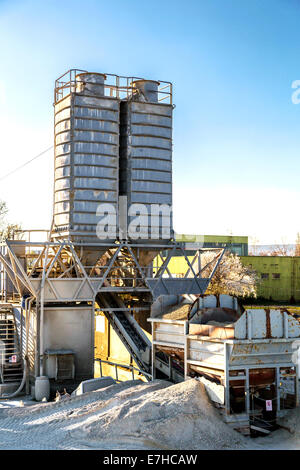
(232, 277)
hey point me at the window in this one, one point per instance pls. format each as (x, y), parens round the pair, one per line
(265, 275)
(276, 276)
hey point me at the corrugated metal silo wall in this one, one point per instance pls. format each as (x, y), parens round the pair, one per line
(86, 162)
(146, 158)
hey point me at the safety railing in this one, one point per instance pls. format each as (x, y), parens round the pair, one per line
(115, 86)
(125, 367)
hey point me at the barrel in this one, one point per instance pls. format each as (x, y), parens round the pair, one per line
(42, 388)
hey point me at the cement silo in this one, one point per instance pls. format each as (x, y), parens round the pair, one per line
(146, 156)
(86, 154)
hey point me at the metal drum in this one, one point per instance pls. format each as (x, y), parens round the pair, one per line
(147, 89)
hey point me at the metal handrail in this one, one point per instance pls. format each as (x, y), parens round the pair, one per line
(121, 85)
(10, 350)
(122, 366)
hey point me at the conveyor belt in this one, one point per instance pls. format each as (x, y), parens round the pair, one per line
(128, 330)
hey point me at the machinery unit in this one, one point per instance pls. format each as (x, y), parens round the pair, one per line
(248, 362)
(71, 352)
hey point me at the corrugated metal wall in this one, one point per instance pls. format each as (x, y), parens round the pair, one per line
(146, 160)
(86, 160)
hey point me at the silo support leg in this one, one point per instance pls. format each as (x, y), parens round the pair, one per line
(247, 393)
(296, 386)
(278, 388)
(226, 381)
(153, 363)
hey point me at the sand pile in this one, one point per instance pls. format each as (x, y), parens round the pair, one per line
(130, 415)
(287, 437)
(289, 434)
(177, 312)
(177, 417)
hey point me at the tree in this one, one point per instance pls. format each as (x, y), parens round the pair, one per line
(3, 210)
(11, 232)
(297, 247)
(231, 276)
(254, 242)
(279, 250)
(7, 230)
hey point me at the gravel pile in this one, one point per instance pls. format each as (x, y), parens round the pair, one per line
(130, 415)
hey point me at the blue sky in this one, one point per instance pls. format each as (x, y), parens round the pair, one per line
(236, 130)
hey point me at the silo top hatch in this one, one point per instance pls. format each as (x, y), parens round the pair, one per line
(90, 83)
(148, 89)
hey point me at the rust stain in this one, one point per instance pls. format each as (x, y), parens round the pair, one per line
(261, 376)
(268, 324)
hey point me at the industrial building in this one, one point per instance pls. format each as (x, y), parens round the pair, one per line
(279, 277)
(112, 216)
(234, 244)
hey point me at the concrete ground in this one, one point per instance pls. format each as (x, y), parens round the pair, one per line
(132, 415)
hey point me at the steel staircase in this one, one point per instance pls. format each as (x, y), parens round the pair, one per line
(11, 367)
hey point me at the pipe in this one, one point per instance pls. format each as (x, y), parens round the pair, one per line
(28, 303)
(42, 296)
(42, 331)
(20, 388)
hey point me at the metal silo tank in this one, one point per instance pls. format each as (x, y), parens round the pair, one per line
(146, 153)
(86, 155)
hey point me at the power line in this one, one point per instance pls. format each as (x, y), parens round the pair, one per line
(26, 163)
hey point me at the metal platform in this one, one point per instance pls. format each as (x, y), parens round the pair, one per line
(124, 279)
(56, 269)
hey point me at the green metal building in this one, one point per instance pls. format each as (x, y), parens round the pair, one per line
(235, 244)
(279, 276)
